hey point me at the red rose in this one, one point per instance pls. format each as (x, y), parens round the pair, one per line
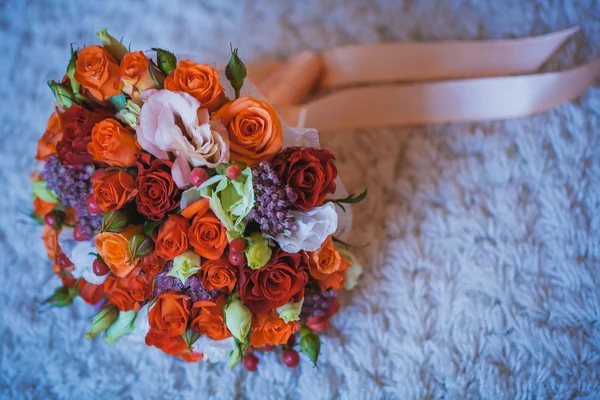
(173, 345)
(77, 124)
(157, 192)
(280, 281)
(309, 172)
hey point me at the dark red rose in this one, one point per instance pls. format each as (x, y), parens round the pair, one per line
(77, 124)
(309, 172)
(280, 281)
(157, 192)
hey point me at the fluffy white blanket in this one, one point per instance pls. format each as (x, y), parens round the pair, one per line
(483, 269)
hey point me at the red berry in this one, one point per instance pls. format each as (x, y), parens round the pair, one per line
(250, 362)
(292, 341)
(198, 176)
(79, 234)
(92, 205)
(234, 171)
(237, 245)
(100, 268)
(291, 358)
(237, 259)
(266, 347)
(63, 261)
(50, 219)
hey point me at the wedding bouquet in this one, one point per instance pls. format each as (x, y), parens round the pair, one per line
(191, 217)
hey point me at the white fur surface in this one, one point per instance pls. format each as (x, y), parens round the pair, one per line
(483, 272)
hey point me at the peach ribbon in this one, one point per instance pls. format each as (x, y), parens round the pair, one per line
(359, 86)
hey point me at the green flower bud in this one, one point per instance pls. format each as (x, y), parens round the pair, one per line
(119, 101)
(185, 265)
(112, 45)
(167, 62)
(259, 252)
(140, 245)
(114, 221)
(291, 311)
(124, 324)
(64, 95)
(102, 321)
(238, 318)
(71, 72)
(311, 346)
(62, 297)
(40, 189)
(235, 72)
(353, 272)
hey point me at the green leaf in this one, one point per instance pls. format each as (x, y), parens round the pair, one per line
(350, 199)
(167, 62)
(150, 226)
(40, 189)
(311, 346)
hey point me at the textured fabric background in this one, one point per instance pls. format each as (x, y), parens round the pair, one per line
(483, 269)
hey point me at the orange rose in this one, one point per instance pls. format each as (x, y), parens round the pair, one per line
(128, 293)
(113, 189)
(173, 345)
(268, 328)
(50, 238)
(90, 293)
(113, 144)
(135, 73)
(327, 266)
(199, 80)
(53, 134)
(209, 318)
(208, 236)
(97, 71)
(112, 247)
(170, 314)
(172, 239)
(254, 129)
(218, 274)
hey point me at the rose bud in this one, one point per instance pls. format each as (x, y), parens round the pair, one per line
(112, 45)
(121, 327)
(235, 71)
(75, 86)
(140, 245)
(310, 344)
(238, 318)
(259, 252)
(167, 62)
(114, 221)
(62, 297)
(102, 321)
(64, 95)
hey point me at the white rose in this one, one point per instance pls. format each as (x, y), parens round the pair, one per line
(79, 254)
(312, 228)
(214, 350)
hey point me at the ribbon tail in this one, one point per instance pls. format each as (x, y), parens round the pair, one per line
(467, 100)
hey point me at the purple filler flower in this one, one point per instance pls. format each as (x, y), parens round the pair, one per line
(73, 186)
(317, 303)
(193, 286)
(272, 201)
